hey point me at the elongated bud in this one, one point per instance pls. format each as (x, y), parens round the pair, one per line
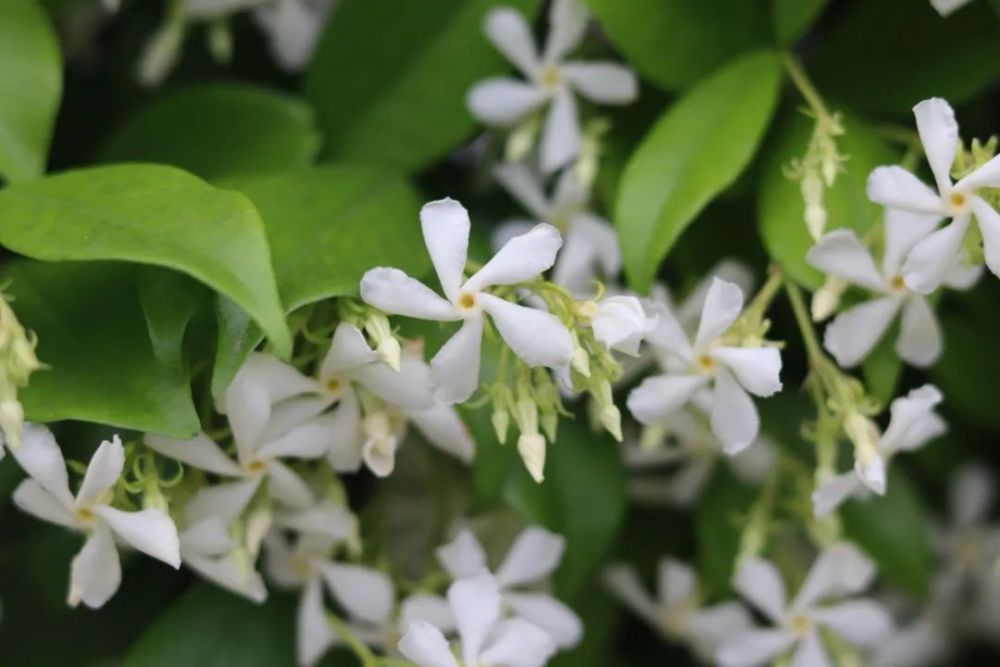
(826, 299)
(531, 447)
(608, 413)
(815, 213)
(550, 425)
(521, 141)
(651, 436)
(501, 423)
(258, 525)
(386, 345)
(868, 461)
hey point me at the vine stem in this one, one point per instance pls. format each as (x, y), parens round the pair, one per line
(805, 86)
(816, 357)
(358, 647)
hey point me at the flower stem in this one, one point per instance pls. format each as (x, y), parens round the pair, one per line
(815, 352)
(358, 647)
(805, 86)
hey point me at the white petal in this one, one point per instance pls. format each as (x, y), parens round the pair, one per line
(534, 555)
(621, 324)
(41, 458)
(754, 648)
(200, 452)
(103, 471)
(989, 227)
(897, 188)
(561, 134)
(379, 453)
(871, 471)
(425, 645)
(522, 258)
(591, 246)
(669, 336)
(293, 28)
(408, 388)
(395, 292)
(923, 642)
(225, 501)
(971, 494)
(325, 519)
(455, 368)
(149, 531)
(231, 575)
(33, 498)
(930, 260)
(348, 351)
(567, 24)
(605, 83)
(308, 441)
(913, 421)
(546, 612)
(346, 437)
(518, 643)
(95, 572)
(862, 623)
(209, 537)
(445, 225)
(709, 627)
(723, 304)
(919, 341)
(841, 254)
(281, 380)
(810, 653)
(946, 7)
(294, 412)
(525, 186)
(502, 101)
(287, 487)
(734, 418)
(854, 333)
(507, 29)
(903, 230)
(365, 593)
(475, 602)
(430, 608)
(759, 581)
(757, 369)
(653, 401)
(839, 570)
(939, 134)
(623, 582)
(248, 407)
(985, 176)
(962, 277)
(443, 427)
(314, 636)
(690, 480)
(676, 583)
(462, 557)
(537, 337)
(833, 491)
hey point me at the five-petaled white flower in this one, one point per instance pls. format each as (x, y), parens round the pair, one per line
(504, 101)
(930, 260)
(536, 336)
(95, 572)
(677, 611)
(732, 371)
(839, 571)
(621, 323)
(532, 558)
(912, 425)
(485, 639)
(591, 244)
(856, 331)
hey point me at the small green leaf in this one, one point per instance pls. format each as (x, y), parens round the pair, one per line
(93, 337)
(695, 151)
(30, 88)
(219, 129)
(675, 43)
(719, 519)
(792, 18)
(209, 626)
(399, 99)
(893, 531)
(153, 215)
(780, 208)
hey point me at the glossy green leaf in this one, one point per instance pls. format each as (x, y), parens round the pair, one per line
(169, 301)
(719, 519)
(792, 18)
(153, 215)
(30, 88)
(780, 208)
(674, 43)
(219, 129)
(389, 77)
(93, 337)
(893, 531)
(886, 56)
(695, 151)
(209, 626)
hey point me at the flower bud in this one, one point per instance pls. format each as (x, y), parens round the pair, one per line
(826, 299)
(501, 422)
(11, 421)
(607, 412)
(868, 461)
(386, 345)
(531, 447)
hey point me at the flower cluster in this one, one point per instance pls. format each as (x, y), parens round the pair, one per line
(17, 363)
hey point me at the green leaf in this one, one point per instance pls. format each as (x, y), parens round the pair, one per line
(582, 498)
(153, 215)
(893, 531)
(238, 335)
(694, 152)
(30, 88)
(675, 43)
(209, 626)
(719, 519)
(886, 56)
(93, 336)
(792, 18)
(219, 129)
(169, 301)
(389, 77)
(780, 208)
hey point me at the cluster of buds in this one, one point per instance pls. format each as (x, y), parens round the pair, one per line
(17, 363)
(817, 170)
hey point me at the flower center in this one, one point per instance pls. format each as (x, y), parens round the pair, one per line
(550, 77)
(466, 301)
(333, 385)
(705, 363)
(85, 514)
(958, 200)
(256, 467)
(897, 283)
(801, 624)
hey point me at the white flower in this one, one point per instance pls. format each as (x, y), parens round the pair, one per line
(731, 371)
(293, 28)
(537, 337)
(913, 423)
(95, 572)
(932, 258)
(503, 100)
(484, 638)
(677, 612)
(621, 324)
(591, 244)
(532, 558)
(839, 571)
(947, 7)
(856, 331)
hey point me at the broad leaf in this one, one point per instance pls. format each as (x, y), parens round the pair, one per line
(214, 130)
(169, 301)
(30, 88)
(93, 336)
(792, 18)
(399, 98)
(694, 152)
(153, 215)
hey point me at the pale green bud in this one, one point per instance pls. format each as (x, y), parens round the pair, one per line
(220, 41)
(826, 299)
(386, 345)
(531, 447)
(501, 422)
(11, 421)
